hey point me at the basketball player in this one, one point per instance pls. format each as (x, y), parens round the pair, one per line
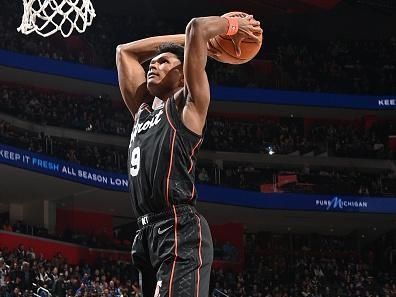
(173, 246)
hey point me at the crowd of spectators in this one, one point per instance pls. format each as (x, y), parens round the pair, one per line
(276, 265)
(24, 271)
(360, 67)
(291, 265)
(325, 180)
(287, 61)
(104, 157)
(260, 135)
(289, 136)
(55, 108)
(357, 67)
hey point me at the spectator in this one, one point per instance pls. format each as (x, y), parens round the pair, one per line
(203, 176)
(7, 226)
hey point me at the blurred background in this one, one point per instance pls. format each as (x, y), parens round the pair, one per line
(296, 175)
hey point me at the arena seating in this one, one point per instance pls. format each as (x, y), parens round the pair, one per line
(288, 61)
(277, 265)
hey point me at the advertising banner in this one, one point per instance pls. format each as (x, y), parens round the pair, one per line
(228, 94)
(63, 169)
(206, 193)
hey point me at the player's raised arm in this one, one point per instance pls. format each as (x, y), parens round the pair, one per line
(131, 75)
(198, 32)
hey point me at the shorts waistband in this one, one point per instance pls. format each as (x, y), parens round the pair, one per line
(152, 218)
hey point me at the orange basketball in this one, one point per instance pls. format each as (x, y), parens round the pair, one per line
(224, 44)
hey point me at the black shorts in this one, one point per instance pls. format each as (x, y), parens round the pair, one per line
(173, 251)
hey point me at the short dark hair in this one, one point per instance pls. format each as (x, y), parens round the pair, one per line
(173, 48)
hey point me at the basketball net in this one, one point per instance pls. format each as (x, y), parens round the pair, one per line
(45, 17)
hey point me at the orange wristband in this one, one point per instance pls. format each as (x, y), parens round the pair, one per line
(232, 26)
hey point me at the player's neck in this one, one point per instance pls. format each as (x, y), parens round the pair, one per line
(162, 99)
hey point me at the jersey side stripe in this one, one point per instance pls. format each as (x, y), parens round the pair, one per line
(192, 192)
(192, 154)
(167, 113)
(199, 254)
(171, 153)
(175, 259)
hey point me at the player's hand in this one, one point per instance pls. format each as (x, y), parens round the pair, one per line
(248, 28)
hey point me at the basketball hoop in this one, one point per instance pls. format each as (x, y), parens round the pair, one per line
(45, 17)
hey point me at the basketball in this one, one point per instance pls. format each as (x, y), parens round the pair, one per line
(225, 45)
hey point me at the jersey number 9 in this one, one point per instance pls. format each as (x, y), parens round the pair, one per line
(135, 161)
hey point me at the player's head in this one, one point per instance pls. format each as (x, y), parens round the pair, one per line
(165, 73)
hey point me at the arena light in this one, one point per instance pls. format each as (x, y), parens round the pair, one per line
(270, 151)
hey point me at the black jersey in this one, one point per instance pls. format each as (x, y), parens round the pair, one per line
(161, 160)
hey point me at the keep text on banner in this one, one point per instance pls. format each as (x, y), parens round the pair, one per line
(63, 169)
